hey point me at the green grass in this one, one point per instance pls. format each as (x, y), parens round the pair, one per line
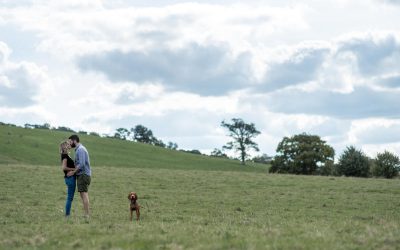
(199, 210)
(189, 201)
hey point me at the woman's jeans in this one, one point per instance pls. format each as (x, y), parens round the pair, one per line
(71, 185)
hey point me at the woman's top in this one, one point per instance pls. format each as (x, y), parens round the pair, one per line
(70, 163)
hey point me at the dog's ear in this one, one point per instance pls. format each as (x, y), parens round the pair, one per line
(129, 196)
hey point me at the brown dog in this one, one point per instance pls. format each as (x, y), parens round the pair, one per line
(134, 205)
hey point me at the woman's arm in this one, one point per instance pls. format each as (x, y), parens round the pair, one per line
(64, 166)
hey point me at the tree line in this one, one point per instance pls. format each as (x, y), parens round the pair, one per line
(142, 134)
(241, 133)
(299, 154)
(139, 133)
(309, 155)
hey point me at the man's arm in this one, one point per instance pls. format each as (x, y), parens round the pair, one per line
(79, 160)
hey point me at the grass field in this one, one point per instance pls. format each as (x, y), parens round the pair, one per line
(210, 204)
(199, 210)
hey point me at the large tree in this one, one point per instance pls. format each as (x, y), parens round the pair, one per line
(302, 154)
(142, 134)
(242, 135)
(145, 135)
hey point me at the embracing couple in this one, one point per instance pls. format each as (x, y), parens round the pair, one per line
(76, 173)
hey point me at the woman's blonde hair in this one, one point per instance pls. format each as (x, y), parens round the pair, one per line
(64, 147)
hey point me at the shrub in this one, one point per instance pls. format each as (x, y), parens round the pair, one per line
(263, 159)
(218, 153)
(66, 129)
(386, 165)
(328, 169)
(353, 162)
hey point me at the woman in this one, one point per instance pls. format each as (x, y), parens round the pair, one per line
(67, 164)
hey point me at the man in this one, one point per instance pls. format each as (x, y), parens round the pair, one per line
(82, 171)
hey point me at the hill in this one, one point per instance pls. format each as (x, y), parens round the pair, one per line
(40, 147)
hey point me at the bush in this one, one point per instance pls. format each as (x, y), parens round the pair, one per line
(263, 159)
(328, 169)
(218, 153)
(65, 129)
(353, 162)
(386, 165)
(193, 151)
(278, 165)
(172, 145)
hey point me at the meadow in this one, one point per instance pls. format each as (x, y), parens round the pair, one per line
(210, 204)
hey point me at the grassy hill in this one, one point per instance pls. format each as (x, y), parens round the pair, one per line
(188, 202)
(40, 147)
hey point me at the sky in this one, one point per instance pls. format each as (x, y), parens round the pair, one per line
(329, 68)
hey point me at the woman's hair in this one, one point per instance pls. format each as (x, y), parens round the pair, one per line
(64, 147)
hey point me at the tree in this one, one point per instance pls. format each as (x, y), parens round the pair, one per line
(386, 165)
(45, 126)
(264, 159)
(158, 142)
(30, 126)
(194, 151)
(145, 135)
(172, 145)
(122, 133)
(328, 169)
(353, 162)
(302, 154)
(218, 153)
(66, 129)
(10, 124)
(142, 134)
(94, 133)
(37, 126)
(242, 135)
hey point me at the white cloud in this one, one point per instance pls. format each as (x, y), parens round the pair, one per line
(375, 131)
(5, 52)
(22, 115)
(90, 27)
(20, 83)
(309, 71)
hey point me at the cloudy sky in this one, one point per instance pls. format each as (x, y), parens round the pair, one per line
(330, 68)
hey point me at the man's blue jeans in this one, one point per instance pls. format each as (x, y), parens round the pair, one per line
(71, 185)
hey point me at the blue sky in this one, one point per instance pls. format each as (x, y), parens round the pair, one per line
(330, 68)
